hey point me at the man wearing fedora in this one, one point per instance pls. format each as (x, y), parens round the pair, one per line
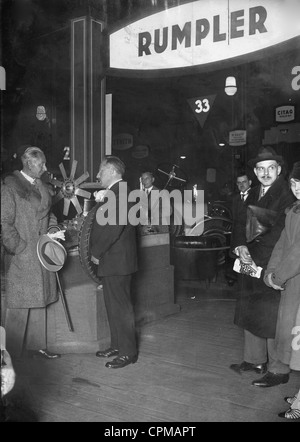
(29, 288)
(255, 235)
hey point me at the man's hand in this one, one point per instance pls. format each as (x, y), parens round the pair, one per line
(244, 255)
(8, 375)
(58, 235)
(95, 260)
(271, 283)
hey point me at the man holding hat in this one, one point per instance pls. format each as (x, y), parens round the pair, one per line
(25, 216)
(254, 237)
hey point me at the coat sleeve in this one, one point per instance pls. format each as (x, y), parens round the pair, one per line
(289, 267)
(276, 256)
(11, 238)
(239, 228)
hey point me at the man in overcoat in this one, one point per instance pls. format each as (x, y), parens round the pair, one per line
(257, 305)
(114, 250)
(29, 288)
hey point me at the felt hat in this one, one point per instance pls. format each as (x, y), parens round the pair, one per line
(265, 154)
(296, 171)
(51, 253)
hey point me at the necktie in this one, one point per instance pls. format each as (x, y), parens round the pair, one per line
(262, 193)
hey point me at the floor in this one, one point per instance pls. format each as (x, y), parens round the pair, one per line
(182, 374)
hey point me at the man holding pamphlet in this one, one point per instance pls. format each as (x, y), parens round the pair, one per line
(254, 237)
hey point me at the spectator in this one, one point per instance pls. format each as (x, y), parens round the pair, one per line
(255, 235)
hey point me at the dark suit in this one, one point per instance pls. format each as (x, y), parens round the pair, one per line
(257, 306)
(115, 247)
(152, 201)
(237, 205)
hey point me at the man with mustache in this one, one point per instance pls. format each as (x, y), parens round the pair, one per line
(257, 305)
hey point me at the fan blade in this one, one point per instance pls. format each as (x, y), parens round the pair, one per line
(179, 179)
(66, 206)
(76, 204)
(55, 182)
(82, 178)
(83, 193)
(73, 170)
(63, 171)
(57, 198)
(162, 171)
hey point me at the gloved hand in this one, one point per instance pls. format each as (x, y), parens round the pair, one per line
(57, 235)
(8, 375)
(95, 260)
(271, 283)
(244, 254)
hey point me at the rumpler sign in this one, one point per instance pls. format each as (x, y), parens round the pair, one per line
(204, 32)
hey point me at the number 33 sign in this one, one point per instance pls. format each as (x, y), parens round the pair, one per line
(201, 107)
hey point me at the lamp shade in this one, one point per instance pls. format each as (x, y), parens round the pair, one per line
(230, 86)
(41, 113)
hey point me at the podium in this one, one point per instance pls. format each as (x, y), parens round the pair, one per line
(152, 295)
(153, 285)
(87, 311)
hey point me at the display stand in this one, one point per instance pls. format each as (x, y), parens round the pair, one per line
(152, 291)
(153, 285)
(87, 311)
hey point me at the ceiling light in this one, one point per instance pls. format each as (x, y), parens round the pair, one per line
(230, 86)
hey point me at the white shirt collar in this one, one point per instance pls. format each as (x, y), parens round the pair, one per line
(149, 189)
(27, 177)
(265, 188)
(111, 185)
(246, 193)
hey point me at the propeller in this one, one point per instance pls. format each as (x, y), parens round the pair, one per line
(69, 188)
(172, 175)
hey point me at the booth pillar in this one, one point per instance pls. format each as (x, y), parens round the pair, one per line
(88, 92)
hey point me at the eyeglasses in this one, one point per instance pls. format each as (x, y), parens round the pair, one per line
(269, 169)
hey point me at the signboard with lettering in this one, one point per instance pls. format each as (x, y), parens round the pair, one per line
(122, 141)
(140, 152)
(238, 138)
(201, 107)
(204, 32)
(284, 114)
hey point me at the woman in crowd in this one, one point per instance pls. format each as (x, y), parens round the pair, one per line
(283, 274)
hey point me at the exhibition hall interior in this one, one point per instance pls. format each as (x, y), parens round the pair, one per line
(195, 94)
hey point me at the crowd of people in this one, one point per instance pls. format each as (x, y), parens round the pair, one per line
(265, 241)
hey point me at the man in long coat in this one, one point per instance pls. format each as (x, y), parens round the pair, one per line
(283, 273)
(25, 215)
(257, 305)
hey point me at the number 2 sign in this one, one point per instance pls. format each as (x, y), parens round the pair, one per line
(201, 107)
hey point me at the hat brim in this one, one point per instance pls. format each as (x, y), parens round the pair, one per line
(44, 239)
(252, 163)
